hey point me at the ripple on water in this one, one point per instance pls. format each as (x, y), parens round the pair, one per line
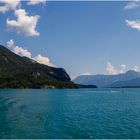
(70, 114)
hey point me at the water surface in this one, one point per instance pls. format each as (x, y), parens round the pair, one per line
(76, 113)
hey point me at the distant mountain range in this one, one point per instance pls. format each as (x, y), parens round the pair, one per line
(129, 79)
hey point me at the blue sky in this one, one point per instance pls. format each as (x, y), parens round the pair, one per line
(82, 37)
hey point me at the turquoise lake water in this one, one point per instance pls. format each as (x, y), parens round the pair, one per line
(76, 113)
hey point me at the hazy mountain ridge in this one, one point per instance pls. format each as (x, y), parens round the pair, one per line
(130, 78)
(128, 83)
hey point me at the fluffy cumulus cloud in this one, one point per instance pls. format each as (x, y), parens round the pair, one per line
(34, 2)
(42, 60)
(10, 43)
(24, 24)
(8, 5)
(110, 69)
(136, 68)
(135, 24)
(132, 5)
(24, 52)
(18, 50)
(123, 68)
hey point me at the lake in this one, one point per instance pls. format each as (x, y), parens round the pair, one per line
(70, 113)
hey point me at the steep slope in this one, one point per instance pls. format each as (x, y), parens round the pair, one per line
(107, 80)
(17, 71)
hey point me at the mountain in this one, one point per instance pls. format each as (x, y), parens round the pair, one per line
(22, 72)
(130, 78)
(127, 84)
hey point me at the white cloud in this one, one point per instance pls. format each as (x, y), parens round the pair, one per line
(34, 2)
(136, 68)
(132, 5)
(42, 60)
(86, 73)
(8, 5)
(24, 24)
(110, 69)
(10, 43)
(24, 52)
(123, 68)
(18, 50)
(135, 24)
